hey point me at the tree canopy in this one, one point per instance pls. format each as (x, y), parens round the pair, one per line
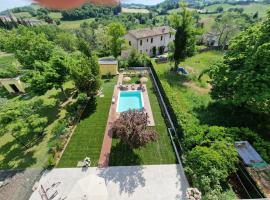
(21, 119)
(28, 46)
(243, 78)
(85, 73)
(116, 32)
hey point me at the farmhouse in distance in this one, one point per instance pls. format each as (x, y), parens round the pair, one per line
(152, 41)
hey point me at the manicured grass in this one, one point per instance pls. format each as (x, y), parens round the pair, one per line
(14, 155)
(73, 24)
(158, 152)
(88, 136)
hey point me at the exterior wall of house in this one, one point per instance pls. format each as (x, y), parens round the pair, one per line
(108, 68)
(146, 45)
(9, 81)
(133, 42)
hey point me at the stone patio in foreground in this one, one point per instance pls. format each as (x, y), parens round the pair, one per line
(157, 182)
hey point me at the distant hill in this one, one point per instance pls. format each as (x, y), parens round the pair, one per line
(172, 4)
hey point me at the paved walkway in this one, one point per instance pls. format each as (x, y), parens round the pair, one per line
(148, 182)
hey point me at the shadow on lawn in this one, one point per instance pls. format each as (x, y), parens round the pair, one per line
(123, 155)
(14, 153)
(128, 178)
(90, 108)
(224, 115)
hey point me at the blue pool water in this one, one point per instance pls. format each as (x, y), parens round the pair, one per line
(129, 100)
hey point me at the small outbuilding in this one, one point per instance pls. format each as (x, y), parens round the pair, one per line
(13, 85)
(108, 66)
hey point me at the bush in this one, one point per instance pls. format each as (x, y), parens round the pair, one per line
(59, 128)
(137, 60)
(51, 161)
(82, 99)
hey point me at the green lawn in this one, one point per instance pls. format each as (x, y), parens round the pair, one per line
(14, 155)
(158, 152)
(195, 65)
(88, 136)
(73, 24)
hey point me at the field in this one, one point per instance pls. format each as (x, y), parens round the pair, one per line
(23, 15)
(158, 152)
(134, 10)
(69, 25)
(55, 15)
(248, 9)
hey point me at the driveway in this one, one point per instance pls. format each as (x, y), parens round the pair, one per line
(157, 182)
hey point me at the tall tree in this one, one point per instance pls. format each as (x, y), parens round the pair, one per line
(49, 75)
(243, 78)
(184, 42)
(116, 32)
(85, 73)
(29, 46)
(228, 25)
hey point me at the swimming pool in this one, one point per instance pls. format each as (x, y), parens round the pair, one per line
(129, 100)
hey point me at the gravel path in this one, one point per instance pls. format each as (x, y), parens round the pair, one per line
(18, 183)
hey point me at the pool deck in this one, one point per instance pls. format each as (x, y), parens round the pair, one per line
(113, 115)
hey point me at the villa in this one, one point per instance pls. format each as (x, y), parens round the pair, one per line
(152, 41)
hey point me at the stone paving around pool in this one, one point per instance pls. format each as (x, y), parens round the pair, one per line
(147, 182)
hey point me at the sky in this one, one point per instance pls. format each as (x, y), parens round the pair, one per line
(7, 4)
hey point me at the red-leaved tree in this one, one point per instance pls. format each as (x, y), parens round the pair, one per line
(131, 128)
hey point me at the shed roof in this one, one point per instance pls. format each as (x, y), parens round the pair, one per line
(107, 61)
(247, 153)
(150, 32)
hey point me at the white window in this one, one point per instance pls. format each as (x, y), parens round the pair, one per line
(141, 42)
(161, 38)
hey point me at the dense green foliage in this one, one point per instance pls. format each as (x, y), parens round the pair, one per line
(85, 73)
(89, 11)
(48, 75)
(208, 131)
(245, 70)
(21, 119)
(27, 46)
(116, 32)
